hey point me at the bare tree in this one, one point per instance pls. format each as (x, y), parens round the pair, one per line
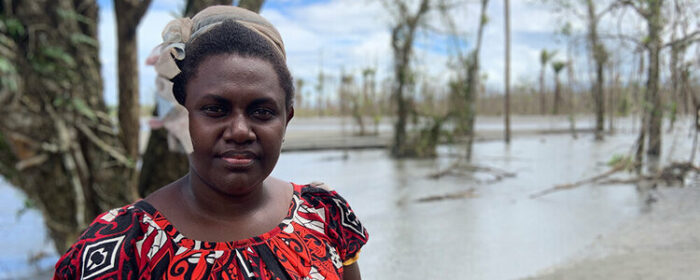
(299, 89)
(571, 77)
(651, 12)
(371, 102)
(464, 90)
(591, 15)
(402, 37)
(600, 56)
(128, 16)
(320, 86)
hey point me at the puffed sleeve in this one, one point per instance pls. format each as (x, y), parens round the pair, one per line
(103, 250)
(342, 225)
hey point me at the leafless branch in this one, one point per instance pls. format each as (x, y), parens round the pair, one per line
(687, 40)
(102, 145)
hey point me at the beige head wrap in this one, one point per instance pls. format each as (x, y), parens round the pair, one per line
(180, 31)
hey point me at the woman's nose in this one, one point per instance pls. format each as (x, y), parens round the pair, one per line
(239, 130)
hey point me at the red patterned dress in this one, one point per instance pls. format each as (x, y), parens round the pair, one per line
(319, 235)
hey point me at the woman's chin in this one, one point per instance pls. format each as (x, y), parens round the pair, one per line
(238, 183)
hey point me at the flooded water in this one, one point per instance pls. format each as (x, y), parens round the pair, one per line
(498, 233)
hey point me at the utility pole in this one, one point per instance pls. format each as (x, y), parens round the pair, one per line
(507, 74)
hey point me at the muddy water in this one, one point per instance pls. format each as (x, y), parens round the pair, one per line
(498, 233)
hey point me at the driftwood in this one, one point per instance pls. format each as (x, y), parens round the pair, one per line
(455, 195)
(671, 174)
(459, 168)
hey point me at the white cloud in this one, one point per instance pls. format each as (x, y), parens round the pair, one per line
(349, 35)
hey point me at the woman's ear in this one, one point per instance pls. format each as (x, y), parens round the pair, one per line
(290, 114)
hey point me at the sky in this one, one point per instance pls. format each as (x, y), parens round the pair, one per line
(350, 35)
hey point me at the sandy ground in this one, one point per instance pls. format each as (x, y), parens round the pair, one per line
(662, 243)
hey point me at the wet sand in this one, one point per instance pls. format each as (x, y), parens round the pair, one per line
(663, 243)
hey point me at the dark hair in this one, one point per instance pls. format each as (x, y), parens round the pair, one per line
(230, 37)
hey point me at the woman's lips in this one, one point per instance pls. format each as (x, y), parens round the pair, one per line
(238, 159)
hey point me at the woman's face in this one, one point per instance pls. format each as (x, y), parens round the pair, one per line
(238, 118)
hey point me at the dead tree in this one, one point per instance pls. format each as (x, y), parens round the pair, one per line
(402, 36)
(651, 12)
(600, 56)
(464, 90)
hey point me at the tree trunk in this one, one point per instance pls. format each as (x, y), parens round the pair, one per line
(193, 7)
(654, 25)
(253, 5)
(128, 16)
(543, 97)
(59, 145)
(402, 36)
(557, 94)
(507, 74)
(599, 56)
(571, 82)
(473, 82)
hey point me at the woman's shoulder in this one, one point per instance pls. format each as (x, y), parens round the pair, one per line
(341, 224)
(101, 246)
(118, 221)
(319, 194)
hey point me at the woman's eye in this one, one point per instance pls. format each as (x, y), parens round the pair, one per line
(263, 114)
(214, 110)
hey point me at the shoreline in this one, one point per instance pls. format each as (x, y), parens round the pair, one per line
(663, 242)
(304, 134)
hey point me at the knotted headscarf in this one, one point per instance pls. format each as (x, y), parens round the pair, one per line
(180, 31)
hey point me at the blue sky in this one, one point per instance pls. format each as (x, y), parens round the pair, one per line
(349, 35)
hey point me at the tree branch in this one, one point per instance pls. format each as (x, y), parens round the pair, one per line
(639, 10)
(687, 40)
(104, 146)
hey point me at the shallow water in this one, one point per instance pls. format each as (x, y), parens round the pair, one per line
(499, 234)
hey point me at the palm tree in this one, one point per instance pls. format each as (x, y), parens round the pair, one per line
(545, 56)
(557, 66)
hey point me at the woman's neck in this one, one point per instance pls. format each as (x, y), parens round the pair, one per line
(208, 203)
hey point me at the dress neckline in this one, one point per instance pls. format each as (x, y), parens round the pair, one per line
(182, 241)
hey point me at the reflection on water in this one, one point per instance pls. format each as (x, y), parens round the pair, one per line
(499, 234)
(23, 238)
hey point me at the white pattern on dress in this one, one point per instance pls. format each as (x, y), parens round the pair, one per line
(158, 240)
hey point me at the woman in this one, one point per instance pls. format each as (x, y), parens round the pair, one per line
(227, 218)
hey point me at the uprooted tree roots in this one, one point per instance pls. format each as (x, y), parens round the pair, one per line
(461, 169)
(671, 175)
